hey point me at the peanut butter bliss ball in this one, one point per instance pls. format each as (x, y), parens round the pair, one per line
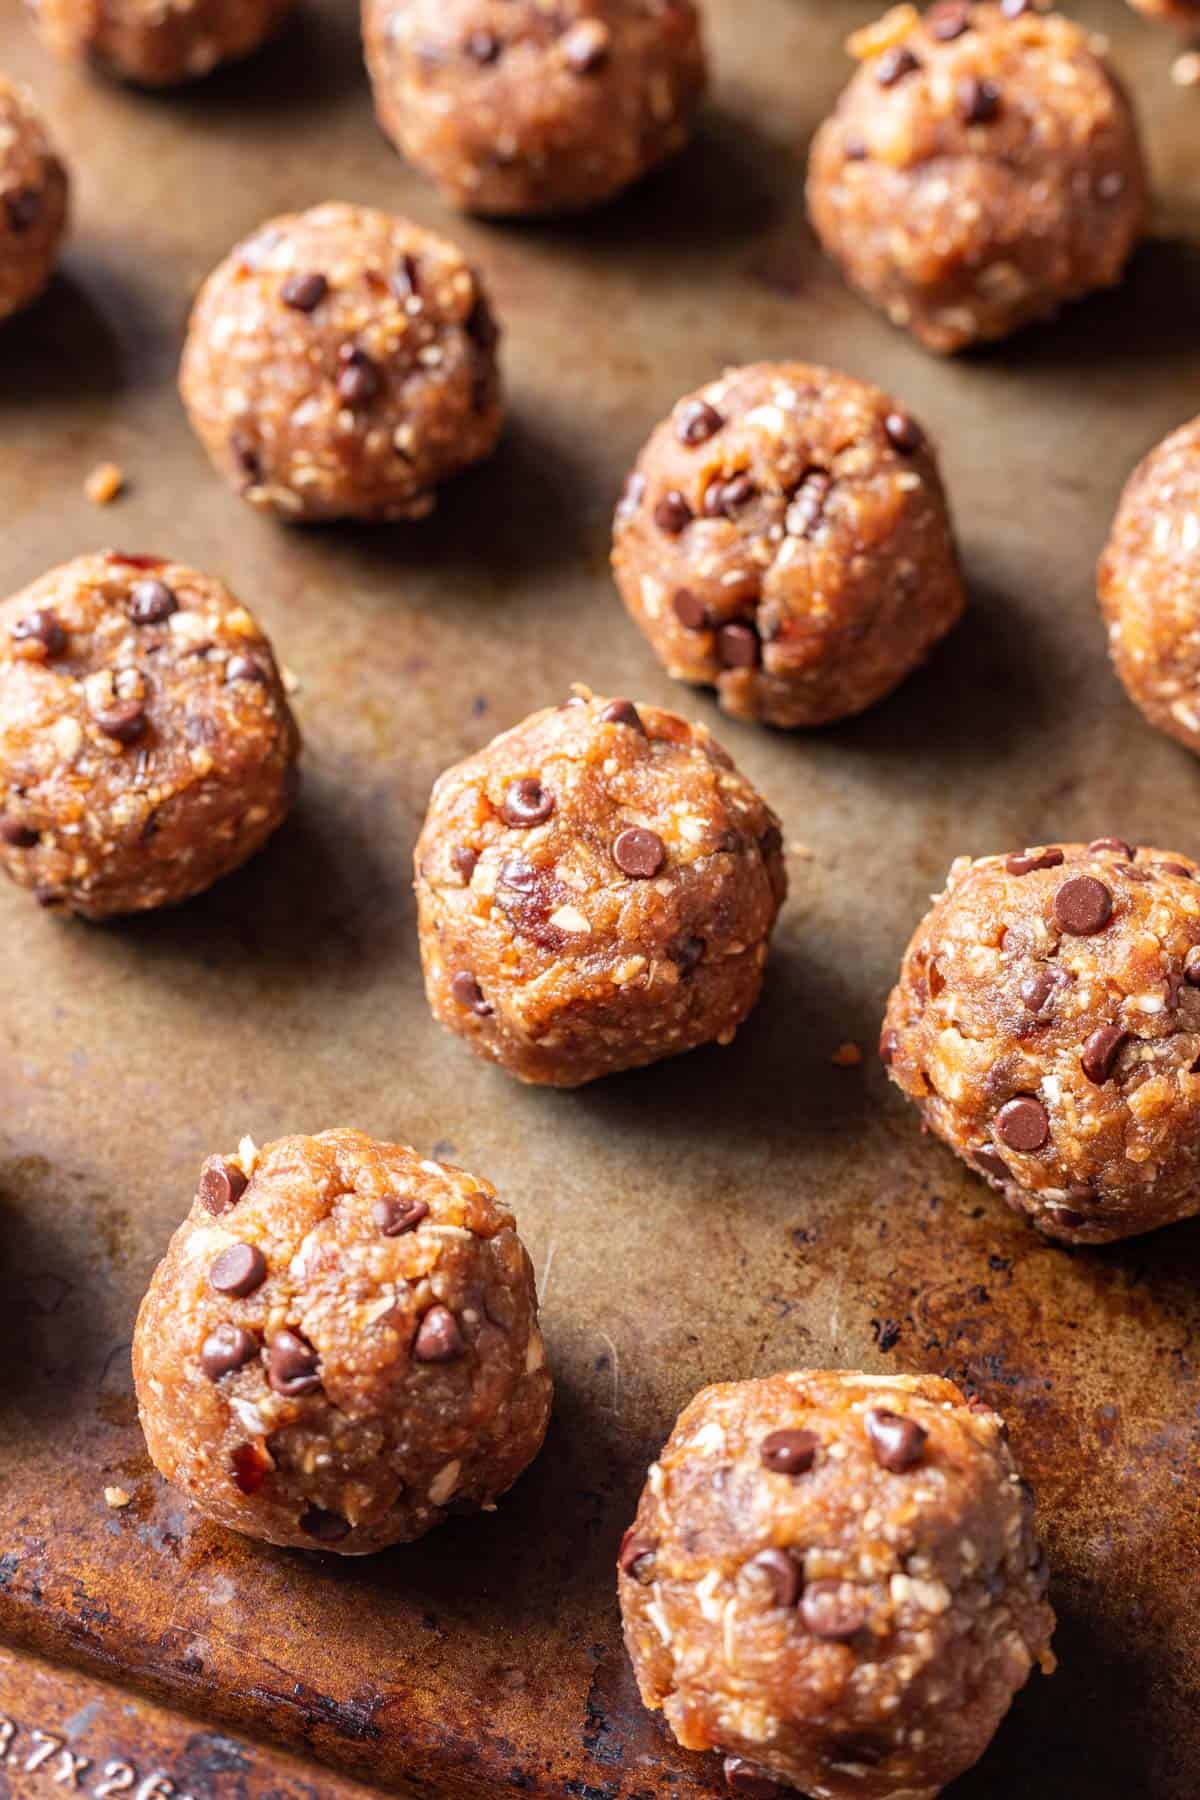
(158, 43)
(1047, 1024)
(514, 106)
(340, 1347)
(596, 889)
(342, 363)
(33, 200)
(1149, 592)
(982, 168)
(146, 743)
(784, 538)
(833, 1581)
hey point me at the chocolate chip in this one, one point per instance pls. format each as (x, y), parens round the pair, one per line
(691, 613)
(359, 379)
(948, 20)
(894, 65)
(527, 802)
(438, 1338)
(247, 668)
(221, 1186)
(805, 512)
(979, 101)
(1037, 989)
(855, 148)
(723, 498)
(636, 1556)
(639, 853)
(292, 1365)
(24, 208)
(889, 1043)
(16, 835)
(993, 1165)
(1023, 1124)
(239, 1270)
(1014, 9)
(696, 422)
(249, 1466)
(687, 953)
(789, 1452)
(150, 602)
(623, 712)
(245, 454)
(464, 859)
(397, 1214)
(1117, 846)
(304, 293)
(897, 1443)
(1174, 988)
(750, 1783)
(405, 279)
(783, 1573)
(1191, 966)
(1175, 868)
(1100, 1052)
(903, 433)
(226, 1349)
(1029, 860)
(326, 1527)
(482, 47)
(1133, 872)
(737, 646)
(830, 1612)
(586, 46)
(1082, 906)
(465, 989)
(673, 514)
(124, 720)
(1063, 1215)
(41, 627)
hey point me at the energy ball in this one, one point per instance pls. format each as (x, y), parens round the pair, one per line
(982, 168)
(513, 106)
(146, 743)
(833, 1581)
(596, 889)
(157, 43)
(342, 363)
(33, 200)
(1185, 13)
(1148, 587)
(1047, 1024)
(784, 538)
(340, 1347)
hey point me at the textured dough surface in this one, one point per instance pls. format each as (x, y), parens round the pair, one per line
(33, 200)
(158, 43)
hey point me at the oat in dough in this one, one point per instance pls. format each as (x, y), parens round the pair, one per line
(513, 106)
(833, 1581)
(982, 168)
(33, 200)
(784, 538)
(596, 889)
(146, 744)
(342, 363)
(1047, 1024)
(157, 43)
(341, 1347)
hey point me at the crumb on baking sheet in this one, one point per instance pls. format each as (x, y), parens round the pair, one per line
(116, 1497)
(847, 1056)
(104, 483)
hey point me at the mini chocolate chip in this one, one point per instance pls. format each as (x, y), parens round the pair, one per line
(247, 668)
(855, 148)
(807, 507)
(245, 454)
(696, 422)
(482, 47)
(292, 1365)
(623, 712)
(979, 101)
(691, 613)
(639, 853)
(41, 627)
(359, 379)
(889, 1043)
(687, 953)
(150, 602)
(239, 1270)
(464, 859)
(673, 514)
(1100, 1052)
(1023, 1124)
(16, 835)
(1029, 860)
(1175, 868)
(737, 646)
(226, 1349)
(750, 1783)
(636, 1556)
(438, 1338)
(897, 1443)
(1117, 846)
(1037, 989)
(1191, 966)
(527, 802)
(789, 1452)
(304, 293)
(993, 1165)
(948, 20)
(1082, 906)
(783, 1573)
(894, 65)
(124, 720)
(397, 1214)
(405, 279)
(466, 990)
(1014, 9)
(24, 208)
(723, 498)
(1174, 988)
(326, 1527)
(1064, 1216)
(831, 1613)
(221, 1186)
(903, 433)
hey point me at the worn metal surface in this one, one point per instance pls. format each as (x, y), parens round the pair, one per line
(732, 1213)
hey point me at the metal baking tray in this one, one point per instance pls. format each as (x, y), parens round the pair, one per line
(730, 1213)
